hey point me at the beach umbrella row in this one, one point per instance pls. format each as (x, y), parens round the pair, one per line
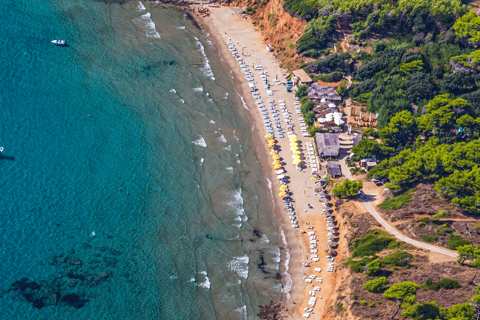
(295, 151)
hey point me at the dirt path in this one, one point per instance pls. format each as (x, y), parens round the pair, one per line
(402, 237)
(389, 227)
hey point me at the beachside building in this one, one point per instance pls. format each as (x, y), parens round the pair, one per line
(323, 94)
(301, 77)
(334, 169)
(328, 144)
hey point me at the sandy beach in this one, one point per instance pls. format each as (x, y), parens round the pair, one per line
(226, 23)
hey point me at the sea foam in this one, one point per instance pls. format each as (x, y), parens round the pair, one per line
(240, 266)
(207, 70)
(200, 142)
(149, 25)
(141, 7)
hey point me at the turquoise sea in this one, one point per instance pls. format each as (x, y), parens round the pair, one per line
(130, 184)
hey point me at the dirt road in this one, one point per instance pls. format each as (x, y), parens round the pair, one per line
(403, 238)
(390, 228)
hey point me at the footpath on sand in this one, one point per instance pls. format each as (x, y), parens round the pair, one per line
(390, 228)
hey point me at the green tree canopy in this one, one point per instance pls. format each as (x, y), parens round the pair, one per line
(302, 91)
(370, 148)
(401, 129)
(349, 188)
(441, 113)
(403, 291)
(423, 311)
(375, 285)
(468, 26)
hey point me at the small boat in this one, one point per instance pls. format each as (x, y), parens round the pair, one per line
(1, 149)
(62, 43)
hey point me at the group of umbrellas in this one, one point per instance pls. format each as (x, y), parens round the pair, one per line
(276, 162)
(294, 149)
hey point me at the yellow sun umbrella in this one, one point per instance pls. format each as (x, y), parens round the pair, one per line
(296, 156)
(283, 188)
(281, 194)
(293, 145)
(271, 140)
(277, 167)
(297, 161)
(273, 152)
(276, 157)
(294, 148)
(268, 136)
(275, 162)
(297, 152)
(293, 136)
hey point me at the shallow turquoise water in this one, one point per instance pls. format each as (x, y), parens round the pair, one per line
(131, 188)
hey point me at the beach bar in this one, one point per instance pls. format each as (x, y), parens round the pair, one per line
(334, 169)
(328, 144)
(301, 77)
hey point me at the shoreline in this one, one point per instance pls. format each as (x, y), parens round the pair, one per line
(291, 255)
(296, 247)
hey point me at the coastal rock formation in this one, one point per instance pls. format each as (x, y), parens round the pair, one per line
(72, 274)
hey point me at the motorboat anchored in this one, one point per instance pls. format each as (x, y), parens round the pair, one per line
(61, 43)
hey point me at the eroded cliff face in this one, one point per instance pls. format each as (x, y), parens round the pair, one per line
(280, 29)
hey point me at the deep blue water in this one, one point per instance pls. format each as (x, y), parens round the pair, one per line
(128, 171)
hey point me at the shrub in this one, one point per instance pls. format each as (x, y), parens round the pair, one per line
(358, 266)
(312, 130)
(372, 247)
(363, 302)
(375, 285)
(425, 220)
(456, 241)
(329, 77)
(397, 201)
(349, 188)
(444, 283)
(302, 91)
(429, 238)
(354, 297)
(399, 258)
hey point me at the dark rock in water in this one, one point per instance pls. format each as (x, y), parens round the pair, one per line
(257, 233)
(74, 300)
(23, 285)
(71, 275)
(262, 263)
(278, 276)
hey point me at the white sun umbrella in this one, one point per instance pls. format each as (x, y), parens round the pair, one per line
(331, 237)
(329, 234)
(331, 243)
(330, 225)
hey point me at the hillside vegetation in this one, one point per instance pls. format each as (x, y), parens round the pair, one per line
(416, 64)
